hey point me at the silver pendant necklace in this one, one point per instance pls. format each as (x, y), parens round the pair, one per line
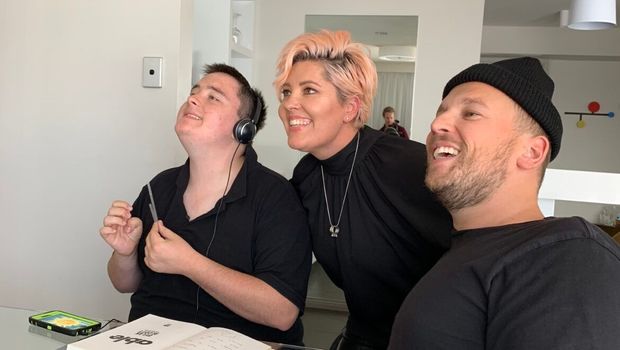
(335, 229)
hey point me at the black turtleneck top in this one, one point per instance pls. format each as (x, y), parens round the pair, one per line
(392, 229)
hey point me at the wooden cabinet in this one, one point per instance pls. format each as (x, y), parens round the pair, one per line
(611, 230)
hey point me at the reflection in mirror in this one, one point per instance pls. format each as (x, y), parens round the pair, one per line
(391, 41)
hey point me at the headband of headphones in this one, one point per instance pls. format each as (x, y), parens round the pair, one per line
(258, 108)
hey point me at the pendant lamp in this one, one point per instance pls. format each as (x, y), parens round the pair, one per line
(592, 14)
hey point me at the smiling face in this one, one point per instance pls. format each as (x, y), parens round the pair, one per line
(471, 145)
(210, 112)
(314, 118)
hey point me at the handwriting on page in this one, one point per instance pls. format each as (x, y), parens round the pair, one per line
(219, 339)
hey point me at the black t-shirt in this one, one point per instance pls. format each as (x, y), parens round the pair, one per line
(547, 284)
(391, 232)
(261, 230)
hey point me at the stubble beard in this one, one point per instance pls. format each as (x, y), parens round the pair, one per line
(472, 179)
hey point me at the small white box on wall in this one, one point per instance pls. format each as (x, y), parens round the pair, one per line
(152, 71)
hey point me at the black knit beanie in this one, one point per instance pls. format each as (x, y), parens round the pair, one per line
(524, 80)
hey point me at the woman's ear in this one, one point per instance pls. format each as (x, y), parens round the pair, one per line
(534, 152)
(351, 108)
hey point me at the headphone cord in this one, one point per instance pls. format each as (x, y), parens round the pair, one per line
(217, 214)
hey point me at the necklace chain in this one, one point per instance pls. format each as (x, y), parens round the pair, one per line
(335, 229)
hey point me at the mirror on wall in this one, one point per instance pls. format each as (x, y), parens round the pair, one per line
(391, 41)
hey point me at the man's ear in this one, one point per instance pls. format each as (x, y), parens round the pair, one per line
(351, 108)
(534, 153)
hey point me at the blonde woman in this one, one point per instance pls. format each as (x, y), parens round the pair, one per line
(376, 229)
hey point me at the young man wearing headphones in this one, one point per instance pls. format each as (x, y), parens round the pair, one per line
(231, 244)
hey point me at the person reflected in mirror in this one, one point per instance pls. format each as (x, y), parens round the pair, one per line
(376, 228)
(391, 123)
(231, 246)
(513, 278)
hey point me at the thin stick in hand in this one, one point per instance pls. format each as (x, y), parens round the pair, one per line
(152, 204)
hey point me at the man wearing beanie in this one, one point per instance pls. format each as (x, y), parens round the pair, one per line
(512, 279)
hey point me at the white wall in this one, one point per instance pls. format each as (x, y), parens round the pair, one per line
(550, 41)
(449, 39)
(209, 45)
(77, 130)
(585, 66)
(594, 147)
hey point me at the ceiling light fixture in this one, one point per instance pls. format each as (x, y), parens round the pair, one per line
(592, 14)
(397, 53)
(564, 18)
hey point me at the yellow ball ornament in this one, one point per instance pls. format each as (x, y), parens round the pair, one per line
(581, 124)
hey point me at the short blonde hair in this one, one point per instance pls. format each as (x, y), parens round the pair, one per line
(347, 66)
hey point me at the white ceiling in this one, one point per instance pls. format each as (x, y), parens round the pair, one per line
(402, 30)
(543, 13)
(371, 30)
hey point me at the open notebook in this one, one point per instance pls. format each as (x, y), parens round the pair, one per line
(153, 332)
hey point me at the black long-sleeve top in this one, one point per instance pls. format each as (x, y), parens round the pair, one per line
(392, 229)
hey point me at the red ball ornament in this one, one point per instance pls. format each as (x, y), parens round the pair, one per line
(593, 107)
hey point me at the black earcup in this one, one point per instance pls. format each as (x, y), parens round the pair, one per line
(244, 131)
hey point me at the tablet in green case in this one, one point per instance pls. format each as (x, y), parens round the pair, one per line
(64, 322)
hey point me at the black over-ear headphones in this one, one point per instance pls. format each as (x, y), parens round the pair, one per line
(245, 129)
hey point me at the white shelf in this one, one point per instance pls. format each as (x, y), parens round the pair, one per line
(213, 35)
(238, 51)
(241, 52)
(242, 17)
